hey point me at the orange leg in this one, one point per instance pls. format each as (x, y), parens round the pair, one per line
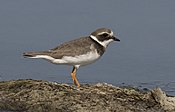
(73, 74)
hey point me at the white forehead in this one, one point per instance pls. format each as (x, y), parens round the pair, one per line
(111, 34)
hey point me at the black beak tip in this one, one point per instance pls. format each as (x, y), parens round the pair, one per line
(116, 39)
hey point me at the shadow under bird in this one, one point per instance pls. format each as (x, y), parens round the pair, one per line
(78, 52)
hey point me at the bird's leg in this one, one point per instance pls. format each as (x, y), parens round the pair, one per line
(73, 74)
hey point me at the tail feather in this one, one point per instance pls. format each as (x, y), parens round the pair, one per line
(34, 54)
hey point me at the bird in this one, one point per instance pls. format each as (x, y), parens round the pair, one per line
(78, 52)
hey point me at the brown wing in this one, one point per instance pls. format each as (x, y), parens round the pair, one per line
(72, 48)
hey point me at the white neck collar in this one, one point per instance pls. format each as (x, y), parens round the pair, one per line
(95, 38)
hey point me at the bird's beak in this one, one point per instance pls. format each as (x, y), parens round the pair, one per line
(115, 39)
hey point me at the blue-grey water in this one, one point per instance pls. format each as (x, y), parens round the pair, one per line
(145, 57)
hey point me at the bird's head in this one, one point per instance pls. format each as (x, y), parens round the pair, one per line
(103, 36)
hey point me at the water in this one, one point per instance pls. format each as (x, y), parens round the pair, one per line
(143, 58)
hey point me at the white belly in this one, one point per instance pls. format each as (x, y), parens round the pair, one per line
(81, 60)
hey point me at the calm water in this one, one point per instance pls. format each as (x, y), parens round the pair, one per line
(143, 58)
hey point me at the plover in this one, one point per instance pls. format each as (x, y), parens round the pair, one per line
(78, 52)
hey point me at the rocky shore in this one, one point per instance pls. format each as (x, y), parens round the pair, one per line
(44, 96)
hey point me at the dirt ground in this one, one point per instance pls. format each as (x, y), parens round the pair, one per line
(44, 96)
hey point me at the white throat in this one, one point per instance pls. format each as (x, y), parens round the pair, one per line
(104, 43)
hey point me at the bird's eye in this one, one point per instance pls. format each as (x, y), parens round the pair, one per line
(105, 34)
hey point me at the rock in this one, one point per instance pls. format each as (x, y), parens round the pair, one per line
(168, 103)
(44, 96)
